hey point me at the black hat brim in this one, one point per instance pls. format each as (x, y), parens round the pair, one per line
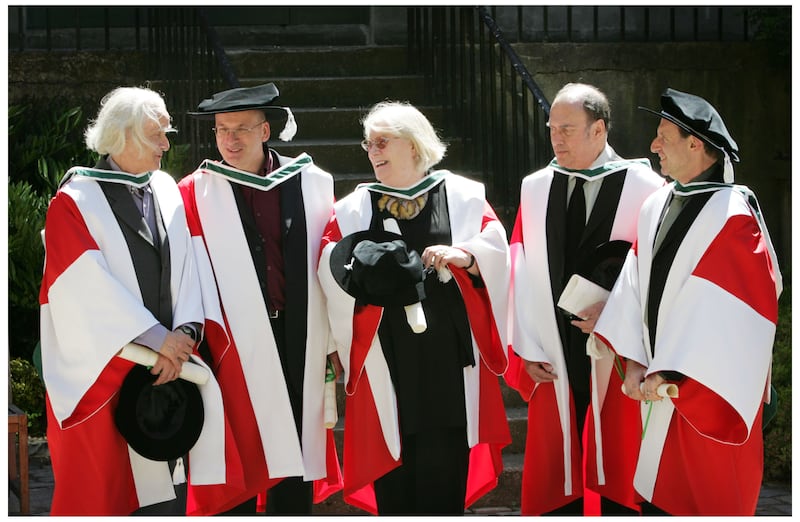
(155, 446)
(682, 125)
(275, 115)
(342, 255)
(239, 99)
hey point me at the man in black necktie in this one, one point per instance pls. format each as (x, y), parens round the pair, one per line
(587, 197)
(257, 218)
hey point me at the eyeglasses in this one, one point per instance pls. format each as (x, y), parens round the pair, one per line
(156, 136)
(223, 132)
(380, 143)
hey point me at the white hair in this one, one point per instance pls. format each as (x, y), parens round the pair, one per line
(406, 121)
(123, 114)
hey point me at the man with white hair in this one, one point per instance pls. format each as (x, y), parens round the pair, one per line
(576, 216)
(119, 269)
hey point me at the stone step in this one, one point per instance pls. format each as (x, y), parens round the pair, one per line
(292, 35)
(384, 60)
(344, 91)
(319, 123)
(328, 106)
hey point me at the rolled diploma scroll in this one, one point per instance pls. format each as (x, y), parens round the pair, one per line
(416, 317)
(667, 390)
(331, 415)
(664, 390)
(145, 356)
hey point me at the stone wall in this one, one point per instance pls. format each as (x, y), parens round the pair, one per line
(82, 76)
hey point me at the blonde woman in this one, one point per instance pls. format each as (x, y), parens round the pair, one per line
(423, 410)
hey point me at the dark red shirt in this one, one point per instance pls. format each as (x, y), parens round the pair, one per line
(266, 208)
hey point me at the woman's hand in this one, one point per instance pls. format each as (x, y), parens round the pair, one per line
(439, 256)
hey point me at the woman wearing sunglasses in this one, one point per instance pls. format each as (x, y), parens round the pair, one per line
(423, 410)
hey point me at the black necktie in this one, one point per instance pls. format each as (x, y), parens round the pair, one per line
(576, 221)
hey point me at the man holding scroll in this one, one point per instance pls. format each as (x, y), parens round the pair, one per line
(119, 269)
(696, 306)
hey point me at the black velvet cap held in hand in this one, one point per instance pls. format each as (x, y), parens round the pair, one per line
(159, 422)
(376, 267)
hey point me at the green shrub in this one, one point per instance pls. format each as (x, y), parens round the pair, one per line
(778, 433)
(177, 161)
(45, 139)
(27, 392)
(26, 212)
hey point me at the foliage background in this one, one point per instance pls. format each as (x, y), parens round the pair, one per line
(778, 433)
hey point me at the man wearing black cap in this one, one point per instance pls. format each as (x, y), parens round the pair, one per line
(586, 197)
(257, 218)
(696, 306)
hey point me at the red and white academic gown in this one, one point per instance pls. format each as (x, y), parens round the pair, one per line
(702, 453)
(239, 333)
(552, 473)
(372, 430)
(91, 307)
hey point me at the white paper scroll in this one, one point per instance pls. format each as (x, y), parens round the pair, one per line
(666, 389)
(145, 356)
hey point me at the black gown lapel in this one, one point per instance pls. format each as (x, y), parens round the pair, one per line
(295, 246)
(555, 228)
(152, 270)
(165, 302)
(662, 260)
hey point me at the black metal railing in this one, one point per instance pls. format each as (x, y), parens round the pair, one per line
(190, 64)
(625, 23)
(490, 99)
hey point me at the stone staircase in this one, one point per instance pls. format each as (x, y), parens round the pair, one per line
(330, 88)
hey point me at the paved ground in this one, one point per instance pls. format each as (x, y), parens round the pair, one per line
(775, 500)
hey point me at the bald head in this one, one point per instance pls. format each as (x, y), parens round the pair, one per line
(579, 119)
(592, 99)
